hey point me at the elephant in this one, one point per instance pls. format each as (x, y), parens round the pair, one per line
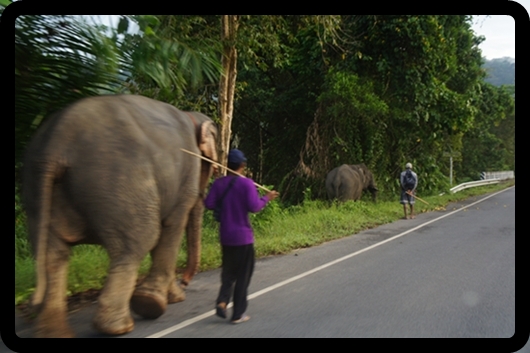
(348, 181)
(109, 170)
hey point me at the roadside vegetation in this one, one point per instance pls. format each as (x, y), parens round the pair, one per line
(278, 230)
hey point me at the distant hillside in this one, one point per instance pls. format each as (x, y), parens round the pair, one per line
(500, 71)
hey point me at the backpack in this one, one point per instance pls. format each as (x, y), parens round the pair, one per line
(409, 181)
(217, 209)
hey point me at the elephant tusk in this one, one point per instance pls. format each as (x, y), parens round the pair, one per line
(222, 166)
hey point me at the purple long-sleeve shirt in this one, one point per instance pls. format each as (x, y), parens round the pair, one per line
(242, 198)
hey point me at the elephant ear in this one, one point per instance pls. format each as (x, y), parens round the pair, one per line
(208, 138)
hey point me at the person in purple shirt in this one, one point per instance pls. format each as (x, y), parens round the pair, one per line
(236, 234)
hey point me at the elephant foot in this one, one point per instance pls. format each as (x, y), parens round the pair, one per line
(176, 294)
(53, 331)
(35, 309)
(148, 304)
(114, 326)
(52, 323)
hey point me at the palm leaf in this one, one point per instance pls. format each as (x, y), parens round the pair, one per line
(57, 61)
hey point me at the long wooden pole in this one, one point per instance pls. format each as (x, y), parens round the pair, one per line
(222, 166)
(416, 197)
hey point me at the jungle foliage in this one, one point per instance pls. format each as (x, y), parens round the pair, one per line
(312, 92)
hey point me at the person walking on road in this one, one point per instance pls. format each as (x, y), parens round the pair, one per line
(236, 234)
(409, 182)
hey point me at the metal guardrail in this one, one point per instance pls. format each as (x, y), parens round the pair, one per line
(487, 179)
(497, 175)
(473, 184)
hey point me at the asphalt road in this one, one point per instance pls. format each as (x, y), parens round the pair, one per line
(445, 274)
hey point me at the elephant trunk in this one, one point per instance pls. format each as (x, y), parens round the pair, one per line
(193, 236)
(374, 191)
(194, 227)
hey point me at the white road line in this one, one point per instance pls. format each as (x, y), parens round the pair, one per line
(295, 278)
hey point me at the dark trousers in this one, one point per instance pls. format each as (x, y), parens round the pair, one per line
(238, 266)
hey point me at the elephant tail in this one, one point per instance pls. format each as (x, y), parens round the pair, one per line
(38, 181)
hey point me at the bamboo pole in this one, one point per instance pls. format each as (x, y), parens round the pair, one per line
(416, 197)
(222, 166)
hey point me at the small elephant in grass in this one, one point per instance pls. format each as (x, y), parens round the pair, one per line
(348, 182)
(109, 170)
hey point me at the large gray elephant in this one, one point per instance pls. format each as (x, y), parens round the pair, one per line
(348, 182)
(109, 170)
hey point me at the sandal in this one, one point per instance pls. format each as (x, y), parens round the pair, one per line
(220, 310)
(242, 319)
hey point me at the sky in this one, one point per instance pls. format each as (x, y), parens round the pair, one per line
(499, 31)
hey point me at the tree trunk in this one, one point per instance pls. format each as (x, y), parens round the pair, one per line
(227, 85)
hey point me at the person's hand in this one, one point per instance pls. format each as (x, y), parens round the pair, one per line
(272, 195)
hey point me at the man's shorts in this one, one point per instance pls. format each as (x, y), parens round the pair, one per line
(406, 198)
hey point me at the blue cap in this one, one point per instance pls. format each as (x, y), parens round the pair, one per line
(236, 157)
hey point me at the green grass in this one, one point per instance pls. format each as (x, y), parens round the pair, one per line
(277, 230)
(24, 279)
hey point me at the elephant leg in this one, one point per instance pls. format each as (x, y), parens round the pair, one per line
(52, 321)
(150, 298)
(113, 316)
(175, 293)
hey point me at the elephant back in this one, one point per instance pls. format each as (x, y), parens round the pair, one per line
(339, 183)
(348, 181)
